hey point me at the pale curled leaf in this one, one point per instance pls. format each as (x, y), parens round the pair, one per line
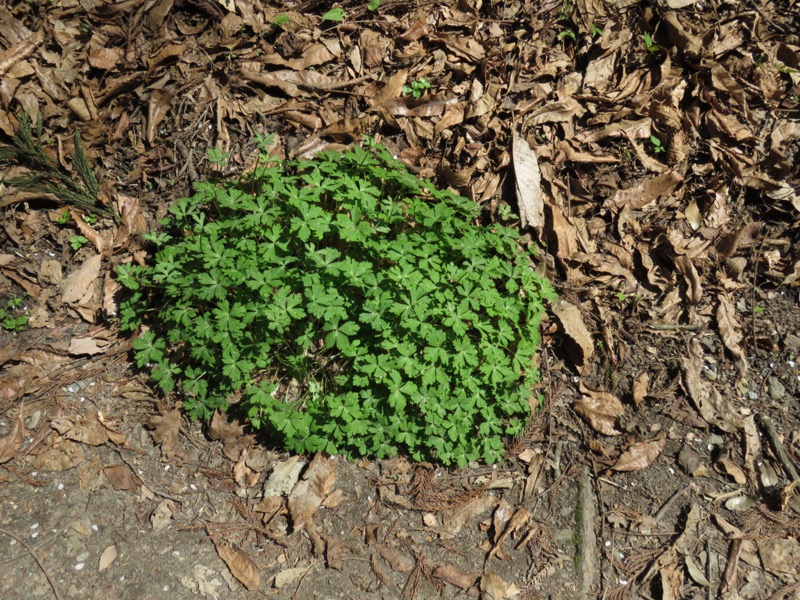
(528, 183)
(731, 334)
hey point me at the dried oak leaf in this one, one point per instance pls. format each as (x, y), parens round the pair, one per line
(600, 409)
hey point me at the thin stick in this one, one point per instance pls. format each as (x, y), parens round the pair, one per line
(36, 558)
(777, 446)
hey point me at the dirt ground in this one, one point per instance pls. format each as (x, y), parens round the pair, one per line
(664, 462)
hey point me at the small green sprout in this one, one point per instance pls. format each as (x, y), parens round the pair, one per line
(373, 6)
(217, 157)
(650, 44)
(596, 31)
(658, 146)
(417, 87)
(335, 14)
(567, 33)
(13, 317)
(279, 20)
(77, 242)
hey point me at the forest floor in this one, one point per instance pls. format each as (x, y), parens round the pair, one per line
(664, 462)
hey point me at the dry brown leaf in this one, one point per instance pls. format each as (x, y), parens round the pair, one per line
(161, 516)
(692, 277)
(88, 232)
(122, 477)
(86, 430)
(645, 191)
(108, 556)
(166, 427)
(244, 476)
(308, 494)
(79, 346)
(392, 89)
(284, 476)
(77, 285)
(528, 183)
(640, 385)
(232, 435)
(599, 409)
(398, 561)
(582, 346)
(454, 521)
(466, 47)
(730, 330)
(11, 443)
(641, 455)
(312, 56)
(743, 237)
(240, 565)
(494, 588)
(455, 576)
(714, 409)
(157, 110)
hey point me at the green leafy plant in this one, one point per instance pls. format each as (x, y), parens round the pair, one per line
(217, 157)
(650, 44)
(13, 316)
(567, 33)
(48, 176)
(596, 30)
(417, 87)
(348, 306)
(280, 19)
(77, 242)
(658, 146)
(334, 14)
(373, 5)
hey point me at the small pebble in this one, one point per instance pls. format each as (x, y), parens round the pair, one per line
(79, 566)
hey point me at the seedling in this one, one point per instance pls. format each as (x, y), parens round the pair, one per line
(373, 6)
(417, 87)
(77, 242)
(650, 44)
(13, 316)
(279, 20)
(658, 146)
(65, 217)
(596, 31)
(411, 327)
(217, 157)
(334, 14)
(567, 33)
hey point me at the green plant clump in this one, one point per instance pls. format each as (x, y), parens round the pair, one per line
(404, 325)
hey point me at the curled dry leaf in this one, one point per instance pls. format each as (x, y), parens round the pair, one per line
(641, 455)
(528, 183)
(731, 334)
(11, 443)
(455, 576)
(640, 385)
(77, 285)
(398, 561)
(581, 344)
(600, 410)
(86, 430)
(714, 409)
(494, 588)
(309, 493)
(240, 565)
